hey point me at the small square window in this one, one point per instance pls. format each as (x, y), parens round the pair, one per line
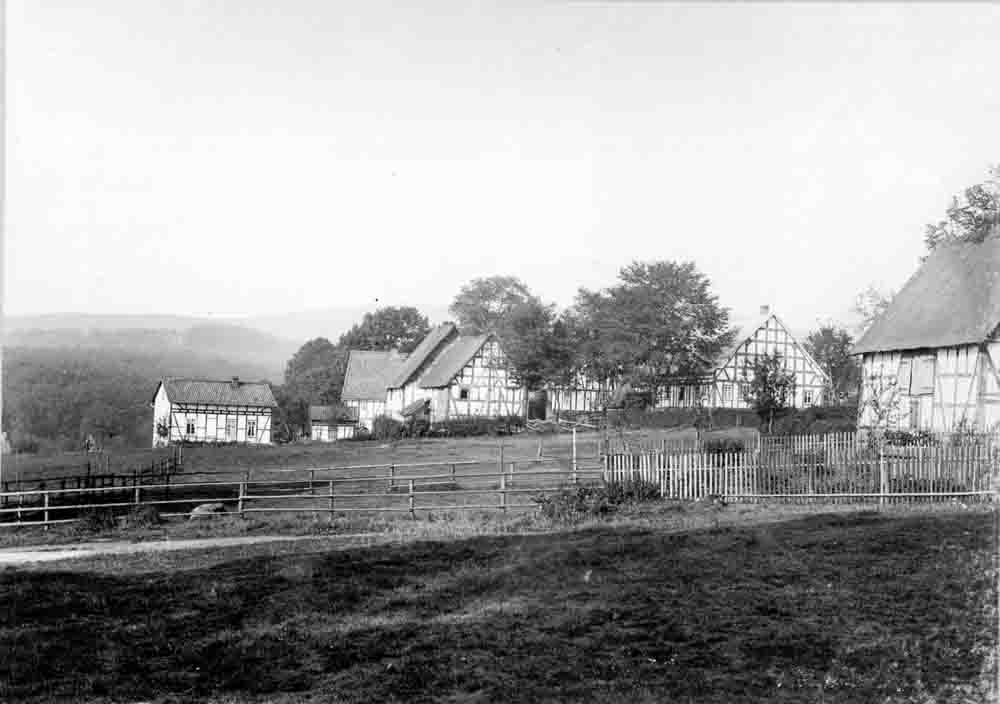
(251, 428)
(807, 397)
(463, 394)
(190, 426)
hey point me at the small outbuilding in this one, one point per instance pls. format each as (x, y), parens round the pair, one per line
(331, 423)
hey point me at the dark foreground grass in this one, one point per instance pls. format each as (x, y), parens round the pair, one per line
(829, 608)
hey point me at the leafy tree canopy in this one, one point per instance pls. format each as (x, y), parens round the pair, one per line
(869, 305)
(402, 328)
(315, 374)
(660, 322)
(831, 346)
(769, 387)
(971, 217)
(537, 344)
(482, 304)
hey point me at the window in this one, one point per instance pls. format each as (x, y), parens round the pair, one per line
(807, 397)
(923, 375)
(463, 394)
(680, 395)
(903, 375)
(190, 426)
(915, 414)
(251, 428)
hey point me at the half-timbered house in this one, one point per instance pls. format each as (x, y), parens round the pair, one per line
(202, 410)
(451, 376)
(368, 375)
(727, 380)
(931, 360)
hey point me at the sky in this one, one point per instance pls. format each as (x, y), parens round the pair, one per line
(233, 157)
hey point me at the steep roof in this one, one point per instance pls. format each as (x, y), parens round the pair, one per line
(953, 299)
(451, 360)
(221, 393)
(746, 333)
(369, 373)
(419, 356)
(331, 414)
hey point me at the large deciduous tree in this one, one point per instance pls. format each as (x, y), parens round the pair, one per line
(482, 304)
(971, 217)
(536, 343)
(387, 328)
(831, 346)
(661, 322)
(314, 375)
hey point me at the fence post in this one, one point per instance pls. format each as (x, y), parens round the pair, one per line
(575, 478)
(510, 478)
(453, 472)
(331, 501)
(503, 493)
(883, 478)
(138, 489)
(410, 498)
(312, 482)
(392, 477)
(45, 500)
(239, 503)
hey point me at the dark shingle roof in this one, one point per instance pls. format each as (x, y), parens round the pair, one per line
(331, 414)
(222, 393)
(369, 373)
(424, 350)
(451, 360)
(953, 299)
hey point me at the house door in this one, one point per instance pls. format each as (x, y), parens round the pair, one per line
(230, 429)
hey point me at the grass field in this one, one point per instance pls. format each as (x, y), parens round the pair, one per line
(858, 607)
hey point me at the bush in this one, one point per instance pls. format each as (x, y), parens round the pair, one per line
(472, 426)
(580, 503)
(143, 517)
(96, 520)
(386, 428)
(718, 446)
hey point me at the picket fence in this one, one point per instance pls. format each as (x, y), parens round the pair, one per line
(835, 471)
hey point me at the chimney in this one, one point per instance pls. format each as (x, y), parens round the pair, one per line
(235, 383)
(765, 310)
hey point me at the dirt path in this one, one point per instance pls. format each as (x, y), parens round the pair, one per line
(52, 553)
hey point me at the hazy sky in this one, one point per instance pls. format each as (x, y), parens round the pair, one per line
(238, 157)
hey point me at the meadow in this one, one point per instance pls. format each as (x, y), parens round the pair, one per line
(847, 607)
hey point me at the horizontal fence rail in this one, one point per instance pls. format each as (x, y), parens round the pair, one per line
(471, 485)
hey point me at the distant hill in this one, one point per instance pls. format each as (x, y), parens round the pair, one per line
(237, 344)
(330, 322)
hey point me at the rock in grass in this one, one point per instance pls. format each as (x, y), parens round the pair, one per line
(204, 510)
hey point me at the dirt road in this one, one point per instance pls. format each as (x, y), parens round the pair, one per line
(52, 553)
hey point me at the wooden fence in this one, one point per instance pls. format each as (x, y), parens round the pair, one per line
(408, 488)
(834, 471)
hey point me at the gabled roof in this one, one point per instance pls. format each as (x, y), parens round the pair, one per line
(369, 373)
(451, 360)
(745, 334)
(953, 299)
(220, 393)
(434, 339)
(332, 414)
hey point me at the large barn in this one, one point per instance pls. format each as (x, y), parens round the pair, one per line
(203, 410)
(368, 375)
(725, 385)
(451, 375)
(932, 358)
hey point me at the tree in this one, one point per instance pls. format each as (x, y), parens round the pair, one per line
(661, 322)
(314, 375)
(970, 218)
(768, 386)
(869, 305)
(831, 346)
(536, 343)
(482, 304)
(387, 328)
